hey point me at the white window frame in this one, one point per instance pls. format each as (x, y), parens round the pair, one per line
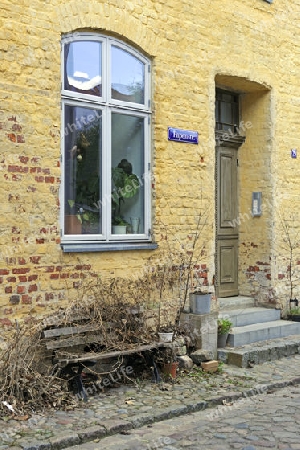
(108, 105)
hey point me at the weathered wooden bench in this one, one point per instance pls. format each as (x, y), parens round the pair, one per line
(72, 364)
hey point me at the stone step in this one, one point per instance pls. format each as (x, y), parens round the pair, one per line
(239, 302)
(262, 331)
(248, 316)
(260, 352)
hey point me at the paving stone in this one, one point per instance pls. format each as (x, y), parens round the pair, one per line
(241, 425)
(64, 440)
(90, 433)
(149, 402)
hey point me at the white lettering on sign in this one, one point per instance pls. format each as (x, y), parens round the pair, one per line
(188, 136)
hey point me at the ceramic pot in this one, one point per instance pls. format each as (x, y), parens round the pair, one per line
(165, 337)
(135, 222)
(170, 369)
(119, 229)
(294, 317)
(72, 225)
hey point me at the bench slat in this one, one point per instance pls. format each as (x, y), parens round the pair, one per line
(74, 340)
(66, 331)
(105, 355)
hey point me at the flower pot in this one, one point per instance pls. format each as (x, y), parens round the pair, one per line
(294, 317)
(165, 337)
(119, 229)
(222, 338)
(91, 228)
(200, 303)
(72, 225)
(135, 222)
(170, 369)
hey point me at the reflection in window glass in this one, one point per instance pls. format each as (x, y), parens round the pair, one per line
(227, 111)
(83, 145)
(127, 174)
(83, 67)
(127, 76)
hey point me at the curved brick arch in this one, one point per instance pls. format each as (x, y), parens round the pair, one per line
(106, 18)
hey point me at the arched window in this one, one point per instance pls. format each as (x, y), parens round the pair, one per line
(106, 177)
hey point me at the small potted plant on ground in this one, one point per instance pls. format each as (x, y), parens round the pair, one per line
(294, 314)
(166, 332)
(200, 302)
(224, 327)
(199, 295)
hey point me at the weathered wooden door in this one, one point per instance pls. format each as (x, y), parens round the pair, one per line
(227, 214)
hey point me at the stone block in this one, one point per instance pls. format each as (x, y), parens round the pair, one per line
(185, 362)
(179, 341)
(200, 356)
(202, 330)
(180, 351)
(210, 366)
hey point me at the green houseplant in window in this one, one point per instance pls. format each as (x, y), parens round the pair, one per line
(126, 185)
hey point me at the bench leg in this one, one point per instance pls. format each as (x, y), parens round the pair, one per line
(156, 378)
(75, 380)
(81, 393)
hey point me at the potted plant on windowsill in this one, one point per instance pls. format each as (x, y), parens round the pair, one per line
(119, 225)
(126, 185)
(224, 327)
(90, 221)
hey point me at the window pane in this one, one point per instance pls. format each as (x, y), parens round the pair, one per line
(127, 76)
(226, 113)
(83, 72)
(127, 174)
(83, 147)
(235, 114)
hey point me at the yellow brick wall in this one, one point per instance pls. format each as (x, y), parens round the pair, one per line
(249, 46)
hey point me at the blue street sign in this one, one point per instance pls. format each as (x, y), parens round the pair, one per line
(187, 136)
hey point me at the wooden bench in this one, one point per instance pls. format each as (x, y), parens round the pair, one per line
(71, 365)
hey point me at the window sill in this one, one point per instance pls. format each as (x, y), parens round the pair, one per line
(85, 247)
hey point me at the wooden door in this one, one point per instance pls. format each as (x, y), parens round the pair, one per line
(227, 214)
(227, 229)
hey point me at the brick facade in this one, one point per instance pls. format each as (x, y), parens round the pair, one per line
(251, 47)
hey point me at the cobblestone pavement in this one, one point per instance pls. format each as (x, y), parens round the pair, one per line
(132, 406)
(267, 421)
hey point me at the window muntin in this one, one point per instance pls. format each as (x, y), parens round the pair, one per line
(105, 146)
